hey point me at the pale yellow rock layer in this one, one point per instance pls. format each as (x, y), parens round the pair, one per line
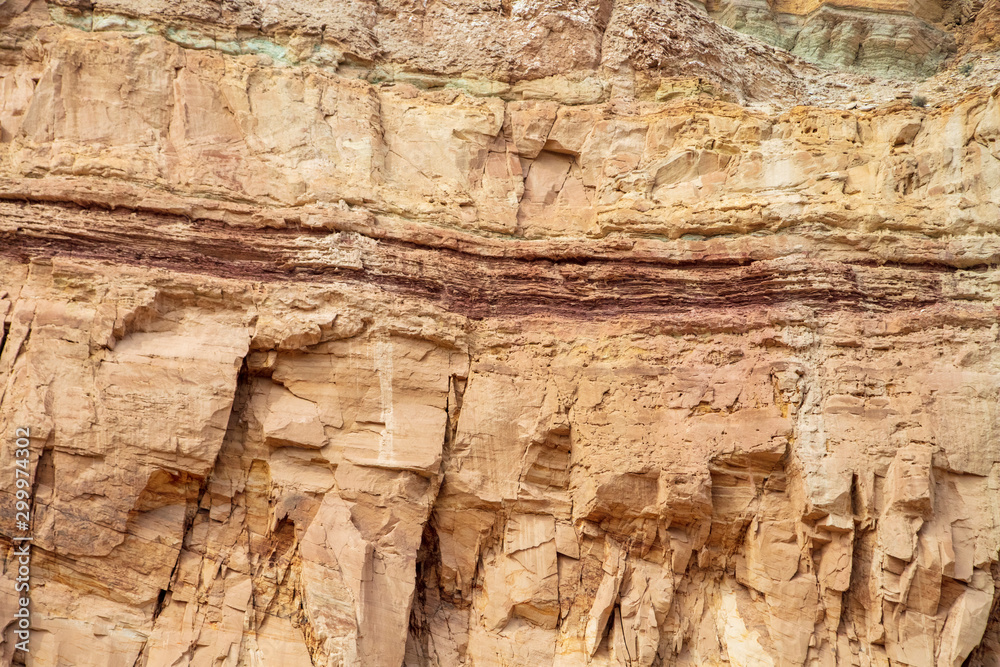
(584, 339)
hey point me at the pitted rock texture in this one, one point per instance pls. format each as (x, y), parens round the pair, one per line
(478, 334)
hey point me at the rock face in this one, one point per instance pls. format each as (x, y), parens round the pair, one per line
(884, 38)
(500, 334)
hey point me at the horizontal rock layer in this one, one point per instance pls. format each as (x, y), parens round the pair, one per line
(865, 38)
(575, 341)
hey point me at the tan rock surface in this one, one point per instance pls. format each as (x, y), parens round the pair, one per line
(478, 334)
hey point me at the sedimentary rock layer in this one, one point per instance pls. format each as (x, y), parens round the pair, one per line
(879, 38)
(469, 334)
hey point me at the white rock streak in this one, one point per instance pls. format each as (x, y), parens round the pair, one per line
(383, 365)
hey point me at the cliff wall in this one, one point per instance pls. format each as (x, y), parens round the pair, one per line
(492, 333)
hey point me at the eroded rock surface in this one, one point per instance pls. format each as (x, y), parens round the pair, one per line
(499, 334)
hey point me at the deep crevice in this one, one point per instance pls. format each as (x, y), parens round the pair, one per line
(193, 506)
(3, 336)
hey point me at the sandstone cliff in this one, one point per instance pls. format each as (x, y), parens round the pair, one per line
(490, 333)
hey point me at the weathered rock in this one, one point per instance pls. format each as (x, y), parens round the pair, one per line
(490, 333)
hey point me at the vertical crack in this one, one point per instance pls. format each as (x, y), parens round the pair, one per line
(429, 552)
(3, 336)
(140, 659)
(240, 397)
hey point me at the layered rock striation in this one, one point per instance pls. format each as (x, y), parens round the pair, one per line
(902, 39)
(474, 334)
